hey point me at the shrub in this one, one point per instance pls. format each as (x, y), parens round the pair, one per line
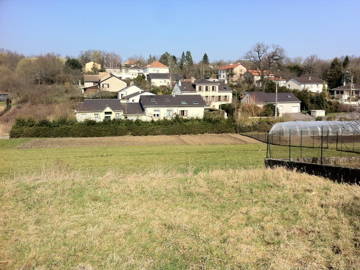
(70, 128)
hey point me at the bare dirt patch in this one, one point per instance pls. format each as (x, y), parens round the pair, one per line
(203, 139)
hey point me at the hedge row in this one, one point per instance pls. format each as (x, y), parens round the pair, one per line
(69, 128)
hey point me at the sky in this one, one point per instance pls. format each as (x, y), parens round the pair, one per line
(224, 29)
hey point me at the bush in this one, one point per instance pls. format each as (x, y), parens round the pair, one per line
(70, 128)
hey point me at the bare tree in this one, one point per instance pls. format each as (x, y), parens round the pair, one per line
(265, 57)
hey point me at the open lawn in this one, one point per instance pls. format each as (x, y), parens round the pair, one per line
(183, 206)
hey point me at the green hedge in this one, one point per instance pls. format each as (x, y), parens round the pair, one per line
(70, 128)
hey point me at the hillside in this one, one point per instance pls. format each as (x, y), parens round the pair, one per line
(248, 219)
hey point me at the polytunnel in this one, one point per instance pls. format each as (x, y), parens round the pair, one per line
(316, 128)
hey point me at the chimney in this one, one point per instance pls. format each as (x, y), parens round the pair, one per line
(309, 78)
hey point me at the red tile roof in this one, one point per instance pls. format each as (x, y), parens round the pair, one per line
(157, 64)
(231, 66)
(255, 72)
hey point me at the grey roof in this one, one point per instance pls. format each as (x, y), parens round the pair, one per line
(205, 81)
(91, 78)
(159, 76)
(190, 87)
(263, 97)
(347, 87)
(172, 101)
(98, 105)
(132, 95)
(132, 108)
(308, 80)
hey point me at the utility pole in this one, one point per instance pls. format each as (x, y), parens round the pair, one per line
(276, 98)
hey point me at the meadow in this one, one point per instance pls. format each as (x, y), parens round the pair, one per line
(93, 205)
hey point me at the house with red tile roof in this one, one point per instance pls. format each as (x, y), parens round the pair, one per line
(231, 72)
(156, 67)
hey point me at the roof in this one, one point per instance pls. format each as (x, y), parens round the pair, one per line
(256, 72)
(190, 87)
(264, 97)
(132, 108)
(91, 78)
(308, 80)
(98, 105)
(158, 76)
(133, 95)
(172, 101)
(156, 64)
(231, 66)
(347, 87)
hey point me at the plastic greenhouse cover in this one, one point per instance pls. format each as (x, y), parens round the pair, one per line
(316, 128)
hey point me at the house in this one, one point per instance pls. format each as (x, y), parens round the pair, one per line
(129, 91)
(4, 97)
(132, 94)
(346, 93)
(256, 75)
(170, 106)
(156, 67)
(92, 67)
(112, 84)
(107, 109)
(135, 97)
(287, 102)
(126, 72)
(232, 72)
(149, 107)
(214, 92)
(91, 80)
(159, 79)
(308, 83)
(281, 82)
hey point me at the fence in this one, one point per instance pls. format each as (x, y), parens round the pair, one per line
(341, 149)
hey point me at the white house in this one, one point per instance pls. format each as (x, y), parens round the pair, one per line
(135, 97)
(91, 67)
(129, 91)
(159, 79)
(214, 92)
(287, 102)
(232, 72)
(91, 80)
(156, 67)
(126, 72)
(149, 107)
(346, 93)
(170, 106)
(308, 83)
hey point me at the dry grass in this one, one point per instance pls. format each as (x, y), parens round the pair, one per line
(222, 219)
(203, 139)
(36, 112)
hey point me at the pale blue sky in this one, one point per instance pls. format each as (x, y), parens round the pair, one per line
(224, 29)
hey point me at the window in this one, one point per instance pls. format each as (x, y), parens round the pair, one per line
(199, 88)
(183, 112)
(156, 113)
(213, 88)
(206, 88)
(169, 113)
(219, 98)
(117, 115)
(96, 116)
(105, 85)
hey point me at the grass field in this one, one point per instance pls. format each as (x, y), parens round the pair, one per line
(186, 206)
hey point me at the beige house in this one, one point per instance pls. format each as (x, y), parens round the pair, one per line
(156, 67)
(159, 79)
(286, 102)
(92, 67)
(112, 84)
(232, 72)
(214, 92)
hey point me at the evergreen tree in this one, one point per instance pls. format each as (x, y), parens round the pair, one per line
(335, 74)
(182, 61)
(188, 59)
(205, 59)
(346, 62)
(164, 58)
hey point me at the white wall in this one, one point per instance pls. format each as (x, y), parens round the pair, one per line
(315, 88)
(128, 91)
(98, 116)
(171, 112)
(160, 82)
(149, 70)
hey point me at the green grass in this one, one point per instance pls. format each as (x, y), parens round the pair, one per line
(129, 159)
(169, 207)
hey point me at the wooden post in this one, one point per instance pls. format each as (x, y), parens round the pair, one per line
(321, 147)
(290, 145)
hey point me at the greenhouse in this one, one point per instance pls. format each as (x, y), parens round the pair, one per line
(316, 128)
